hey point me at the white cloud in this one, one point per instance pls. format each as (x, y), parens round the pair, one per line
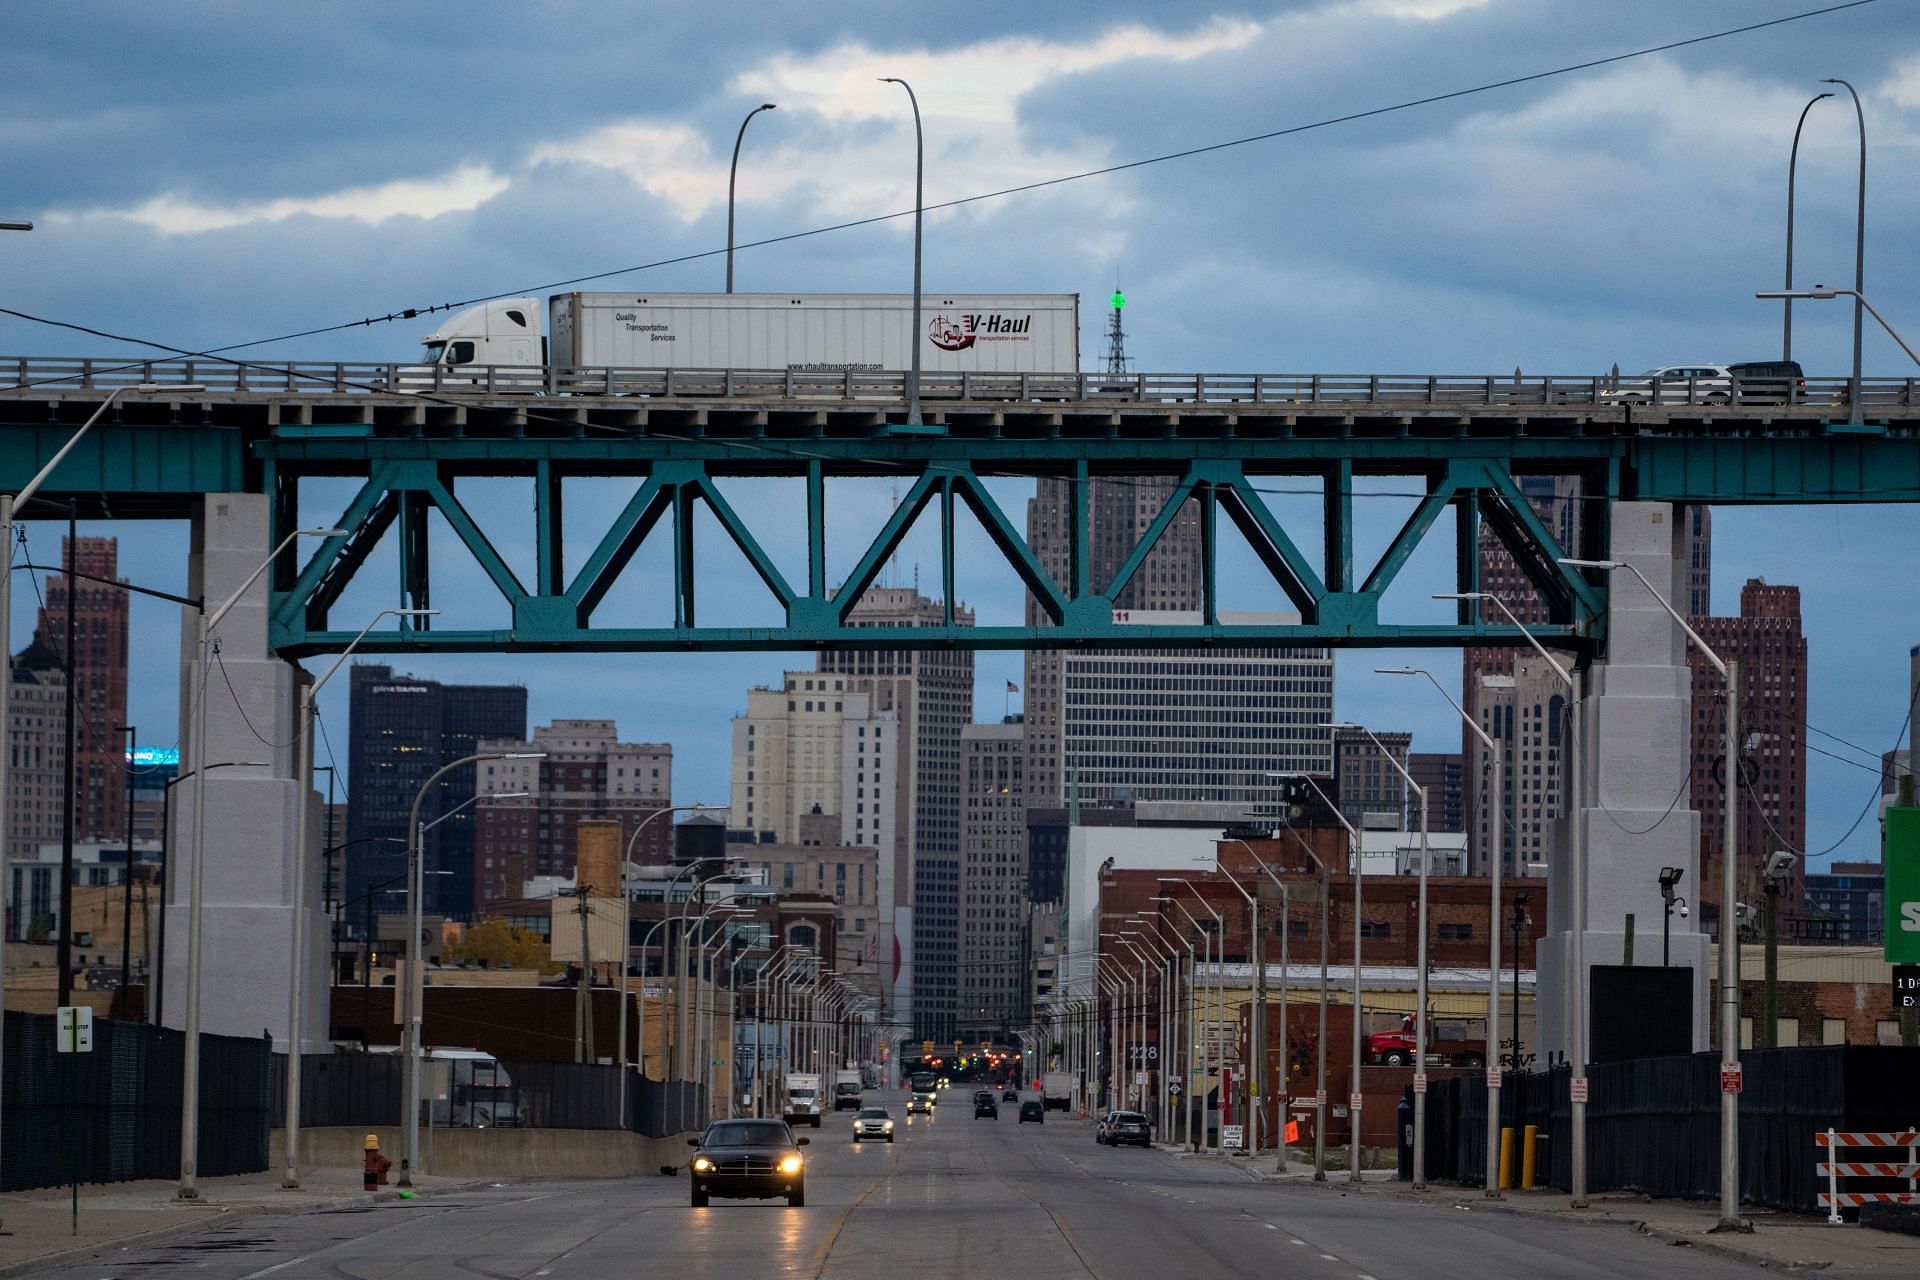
(464, 188)
(1903, 86)
(1423, 10)
(968, 100)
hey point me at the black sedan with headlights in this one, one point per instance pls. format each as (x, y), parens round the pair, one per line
(748, 1160)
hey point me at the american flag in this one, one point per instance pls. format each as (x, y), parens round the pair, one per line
(1012, 687)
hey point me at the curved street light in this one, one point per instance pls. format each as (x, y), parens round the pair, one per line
(919, 210)
(733, 172)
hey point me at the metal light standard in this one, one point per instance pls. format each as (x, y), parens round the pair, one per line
(1193, 1017)
(1495, 853)
(1822, 292)
(1730, 1072)
(1859, 252)
(196, 865)
(1185, 1034)
(1793, 165)
(1164, 957)
(1214, 1051)
(626, 894)
(1257, 1016)
(919, 210)
(1286, 1045)
(1320, 1053)
(732, 173)
(413, 993)
(1577, 975)
(296, 986)
(1420, 978)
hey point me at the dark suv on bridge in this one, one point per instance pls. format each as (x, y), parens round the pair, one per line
(1773, 380)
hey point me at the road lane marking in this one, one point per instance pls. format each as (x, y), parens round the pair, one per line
(839, 1223)
(278, 1266)
(1329, 1257)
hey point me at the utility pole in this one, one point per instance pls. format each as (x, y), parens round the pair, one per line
(583, 990)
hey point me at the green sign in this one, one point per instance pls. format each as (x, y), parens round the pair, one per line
(1900, 859)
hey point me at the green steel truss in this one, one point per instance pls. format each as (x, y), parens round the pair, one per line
(405, 458)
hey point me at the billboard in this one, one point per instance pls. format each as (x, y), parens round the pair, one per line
(1900, 861)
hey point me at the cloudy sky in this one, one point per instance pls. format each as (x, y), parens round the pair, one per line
(208, 173)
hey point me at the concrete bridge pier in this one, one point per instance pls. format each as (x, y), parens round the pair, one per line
(1636, 760)
(247, 881)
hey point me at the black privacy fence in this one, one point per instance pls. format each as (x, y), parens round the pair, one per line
(1653, 1124)
(113, 1114)
(362, 1090)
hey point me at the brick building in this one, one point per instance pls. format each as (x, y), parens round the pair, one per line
(1767, 639)
(99, 684)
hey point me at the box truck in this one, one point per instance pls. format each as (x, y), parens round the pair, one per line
(803, 1099)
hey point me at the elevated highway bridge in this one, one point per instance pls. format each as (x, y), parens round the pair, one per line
(410, 435)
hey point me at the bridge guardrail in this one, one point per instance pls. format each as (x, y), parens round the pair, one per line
(35, 375)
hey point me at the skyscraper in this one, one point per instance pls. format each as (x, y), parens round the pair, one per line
(1443, 774)
(402, 730)
(1524, 713)
(584, 771)
(993, 985)
(1767, 640)
(100, 680)
(940, 690)
(37, 737)
(1367, 780)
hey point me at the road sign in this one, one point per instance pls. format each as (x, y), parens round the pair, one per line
(1577, 1089)
(1493, 1077)
(1353, 1101)
(1419, 1082)
(1233, 1137)
(1900, 860)
(1173, 1086)
(1731, 1080)
(74, 1029)
(1320, 1098)
(1906, 986)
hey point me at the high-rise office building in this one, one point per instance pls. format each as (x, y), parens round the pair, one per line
(1524, 713)
(37, 739)
(931, 690)
(403, 729)
(1767, 640)
(583, 771)
(1119, 512)
(1367, 780)
(99, 680)
(1443, 775)
(993, 982)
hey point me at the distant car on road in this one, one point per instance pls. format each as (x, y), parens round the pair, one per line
(1033, 1109)
(984, 1105)
(921, 1103)
(1011, 1095)
(1117, 1127)
(748, 1160)
(1673, 384)
(873, 1122)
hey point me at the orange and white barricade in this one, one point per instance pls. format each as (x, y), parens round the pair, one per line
(1833, 1200)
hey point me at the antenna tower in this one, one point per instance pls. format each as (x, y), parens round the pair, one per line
(1116, 338)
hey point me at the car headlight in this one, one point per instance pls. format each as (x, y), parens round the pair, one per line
(790, 1164)
(888, 1126)
(702, 1165)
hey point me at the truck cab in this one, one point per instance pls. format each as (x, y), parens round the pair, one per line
(505, 331)
(803, 1100)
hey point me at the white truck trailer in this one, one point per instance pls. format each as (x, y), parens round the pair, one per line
(811, 333)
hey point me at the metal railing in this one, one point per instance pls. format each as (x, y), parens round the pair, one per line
(29, 376)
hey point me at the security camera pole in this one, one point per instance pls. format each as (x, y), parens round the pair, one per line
(1779, 864)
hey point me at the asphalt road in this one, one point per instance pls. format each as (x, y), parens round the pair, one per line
(952, 1197)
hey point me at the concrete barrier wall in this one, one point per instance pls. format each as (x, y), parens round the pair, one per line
(497, 1153)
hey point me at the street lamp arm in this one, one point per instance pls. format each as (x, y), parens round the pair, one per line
(1486, 739)
(145, 388)
(192, 602)
(213, 619)
(347, 652)
(1718, 663)
(1501, 605)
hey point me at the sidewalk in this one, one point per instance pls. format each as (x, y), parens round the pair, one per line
(39, 1224)
(1799, 1242)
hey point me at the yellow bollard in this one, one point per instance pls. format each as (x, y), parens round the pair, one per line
(1531, 1136)
(1506, 1158)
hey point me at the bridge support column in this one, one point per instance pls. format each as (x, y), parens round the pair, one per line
(1636, 756)
(247, 880)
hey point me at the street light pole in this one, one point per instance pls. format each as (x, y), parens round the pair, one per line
(1793, 165)
(1576, 893)
(1495, 852)
(626, 857)
(189, 1188)
(412, 991)
(1257, 1018)
(1214, 998)
(919, 210)
(733, 172)
(1822, 292)
(296, 992)
(1730, 1069)
(1859, 251)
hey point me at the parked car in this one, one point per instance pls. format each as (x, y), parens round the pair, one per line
(748, 1160)
(1117, 1127)
(873, 1122)
(1033, 1109)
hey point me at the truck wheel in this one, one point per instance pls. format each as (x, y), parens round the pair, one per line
(1394, 1058)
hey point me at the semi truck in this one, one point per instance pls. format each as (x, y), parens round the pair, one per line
(844, 333)
(803, 1099)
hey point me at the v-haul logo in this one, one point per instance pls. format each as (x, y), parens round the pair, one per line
(963, 329)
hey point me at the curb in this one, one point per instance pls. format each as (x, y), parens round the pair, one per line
(218, 1214)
